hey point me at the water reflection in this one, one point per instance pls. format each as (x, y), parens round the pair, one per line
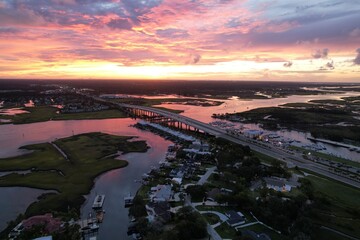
(239, 105)
(12, 111)
(14, 201)
(115, 184)
(235, 104)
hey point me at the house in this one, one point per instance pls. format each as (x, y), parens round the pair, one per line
(198, 147)
(177, 180)
(201, 147)
(50, 224)
(251, 133)
(279, 184)
(158, 211)
(161, 193)
(177, 173)
(235, 218)
(254, 235)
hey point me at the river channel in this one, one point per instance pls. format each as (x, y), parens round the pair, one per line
(114, 184)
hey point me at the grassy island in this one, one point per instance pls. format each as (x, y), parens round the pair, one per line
(46, 113)
(68, 166)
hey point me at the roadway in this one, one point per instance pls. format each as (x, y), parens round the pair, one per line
(271, 151)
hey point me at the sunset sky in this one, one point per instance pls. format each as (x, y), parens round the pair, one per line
(295, 40)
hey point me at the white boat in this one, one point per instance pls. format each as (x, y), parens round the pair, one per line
(98, 201)
(129, 200)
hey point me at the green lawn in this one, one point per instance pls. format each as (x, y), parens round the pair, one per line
(225, 231)
(343, 212)
(264, 158)
(72, 178)
(337, 193)
(211, 218)
(46, 113)
(326, 234)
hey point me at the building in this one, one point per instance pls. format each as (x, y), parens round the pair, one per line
(279, 184)
(159, 211)
(161, 193)
(252, 133)
(235, 218)
(50, 223)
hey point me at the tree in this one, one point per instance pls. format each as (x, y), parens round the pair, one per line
(197, 192)
(190, 224)
(138, 209)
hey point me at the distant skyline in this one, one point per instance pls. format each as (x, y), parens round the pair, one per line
(294, 40)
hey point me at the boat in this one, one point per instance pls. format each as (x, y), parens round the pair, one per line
(129, 200)
(94, 227)
(98, 201)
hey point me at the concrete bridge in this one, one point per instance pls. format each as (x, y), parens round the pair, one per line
(183, 122)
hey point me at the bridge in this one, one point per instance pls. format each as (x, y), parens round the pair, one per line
(183, 122)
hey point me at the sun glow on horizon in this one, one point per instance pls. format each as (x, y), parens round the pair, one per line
(170, 40)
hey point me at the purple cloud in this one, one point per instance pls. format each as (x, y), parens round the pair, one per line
(172, 33)
(120, 24)
(320, 53)
(357, 58)
(288, 64)
(194, 58)
(328, 66)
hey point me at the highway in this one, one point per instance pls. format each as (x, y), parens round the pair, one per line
(296, 160)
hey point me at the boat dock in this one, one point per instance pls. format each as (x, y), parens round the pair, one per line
(98, 201)
(344, 145)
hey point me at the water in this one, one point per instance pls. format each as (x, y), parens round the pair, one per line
(117, 184)
(14, 201)
(12, 111)
(239, 105)
(114, 184)
(235, 104)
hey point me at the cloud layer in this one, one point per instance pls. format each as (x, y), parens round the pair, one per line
(180, 38)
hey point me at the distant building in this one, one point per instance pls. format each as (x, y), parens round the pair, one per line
(279, 184)
(235, 218)
(252, 133)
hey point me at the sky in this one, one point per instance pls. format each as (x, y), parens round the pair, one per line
(283, 40)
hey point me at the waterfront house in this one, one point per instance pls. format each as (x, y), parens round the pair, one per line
(161, 193)
(235, 218)
(159, 211)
